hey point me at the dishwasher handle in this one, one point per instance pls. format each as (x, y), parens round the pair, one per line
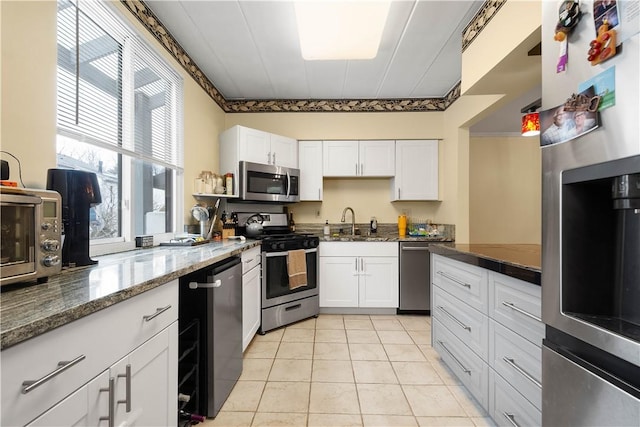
(415, 248)
(214, 284)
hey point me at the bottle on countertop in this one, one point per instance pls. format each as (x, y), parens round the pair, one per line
(292, 223)
(326, 230)
(229, 183)
(373, 225)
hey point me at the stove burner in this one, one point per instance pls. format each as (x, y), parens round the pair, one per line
(287, 242)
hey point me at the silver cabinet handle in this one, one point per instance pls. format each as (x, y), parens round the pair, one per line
(112, 394)
(319, 194)
(356, 169)
(274, 158)
(455, 319)
(30, 385)
(514, 365)
(269, 158)
(127, 397)
(398, 193)
(196, 285)
(453, 279)
(362, 169)
(521, 311)
(465, 370)
(511, 418)
(158, 312)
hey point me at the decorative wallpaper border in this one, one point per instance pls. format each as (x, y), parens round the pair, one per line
(151, 22)
(480, 20)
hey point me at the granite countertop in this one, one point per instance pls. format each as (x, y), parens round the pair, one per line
(521, 261)
(27, 310)
(382, 238)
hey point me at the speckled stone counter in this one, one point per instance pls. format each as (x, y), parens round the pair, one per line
(29, 310)
(386, 233)
(516, 260)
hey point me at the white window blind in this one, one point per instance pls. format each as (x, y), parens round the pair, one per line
(113, 92)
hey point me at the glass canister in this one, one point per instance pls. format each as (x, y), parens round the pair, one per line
(402, 225)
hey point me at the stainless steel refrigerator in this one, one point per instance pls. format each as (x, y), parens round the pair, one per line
(591, 219)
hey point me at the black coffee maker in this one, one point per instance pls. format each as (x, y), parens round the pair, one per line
(79, 191)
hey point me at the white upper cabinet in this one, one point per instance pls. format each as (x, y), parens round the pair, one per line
(310, 161)
(416, 176)
(377, 158)
(359, 158)
(284, 151)
(242, 143)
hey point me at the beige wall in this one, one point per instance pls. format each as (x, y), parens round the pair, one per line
(505, 190)
(28, 131)
(28, 33)
(29, 88)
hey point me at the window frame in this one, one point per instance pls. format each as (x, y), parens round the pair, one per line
(135, 47)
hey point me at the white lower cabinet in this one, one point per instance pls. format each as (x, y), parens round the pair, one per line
(359, 274)
(144, 382)
(251, 295)
(466, 323)
(88, 406)
(465, 364)
(77, 374)
(507, 407)
(486, 327)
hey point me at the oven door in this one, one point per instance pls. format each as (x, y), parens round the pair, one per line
(275, 278)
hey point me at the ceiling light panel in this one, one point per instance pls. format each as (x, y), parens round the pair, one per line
(339, 30)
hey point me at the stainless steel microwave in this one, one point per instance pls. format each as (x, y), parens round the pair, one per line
(31, 235)
(269, 183)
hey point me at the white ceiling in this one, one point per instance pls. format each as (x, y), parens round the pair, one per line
(249, 50)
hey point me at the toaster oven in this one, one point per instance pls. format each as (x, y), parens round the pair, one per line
(30, 235)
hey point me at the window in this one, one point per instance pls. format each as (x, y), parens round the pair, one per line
(119, 116)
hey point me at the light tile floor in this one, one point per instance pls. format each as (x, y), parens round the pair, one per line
(348, 370)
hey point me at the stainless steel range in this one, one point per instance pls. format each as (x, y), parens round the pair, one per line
(283, 303)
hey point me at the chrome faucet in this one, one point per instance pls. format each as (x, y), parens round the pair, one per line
(353, 219)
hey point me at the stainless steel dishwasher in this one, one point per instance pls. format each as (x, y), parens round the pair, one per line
(213, 295)
(415, 278)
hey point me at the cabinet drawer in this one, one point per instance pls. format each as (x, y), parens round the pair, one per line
(466, 323)
(465, 364)
(250, 259)
(517, 305)
(466, 282)
(95, 341)
(507, 407)
(518, 361)
(359, 249)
